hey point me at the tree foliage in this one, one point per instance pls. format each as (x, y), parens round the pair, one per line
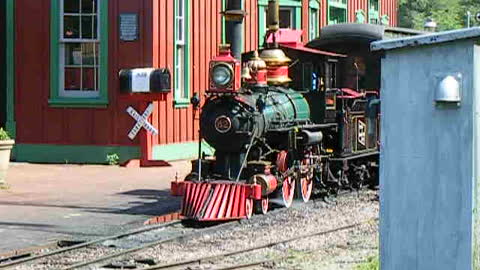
(449, 14)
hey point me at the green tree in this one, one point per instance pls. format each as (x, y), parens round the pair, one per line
(449, 14)
(474, 7)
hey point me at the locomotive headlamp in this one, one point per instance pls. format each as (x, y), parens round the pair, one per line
(222, 75)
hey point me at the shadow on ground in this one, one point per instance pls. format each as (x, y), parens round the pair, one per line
(148, 202)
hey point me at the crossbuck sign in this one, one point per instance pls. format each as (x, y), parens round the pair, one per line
(141, 121)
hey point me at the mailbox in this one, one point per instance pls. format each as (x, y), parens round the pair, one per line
(145, 80)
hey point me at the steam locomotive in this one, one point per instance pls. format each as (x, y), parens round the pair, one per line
(287, 121)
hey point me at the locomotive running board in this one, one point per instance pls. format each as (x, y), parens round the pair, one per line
(355, 156)
(216, 200)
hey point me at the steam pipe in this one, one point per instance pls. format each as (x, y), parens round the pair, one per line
(234, 15)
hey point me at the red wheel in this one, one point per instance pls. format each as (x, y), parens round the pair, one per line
(305, 185)
(248, 208)
(288, 191)
(282, 161)
(261, 206)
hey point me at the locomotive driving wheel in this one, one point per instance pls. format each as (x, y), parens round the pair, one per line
(261, 206)
(288, 191)
(305, 183)
(305, 187)
(248, 208)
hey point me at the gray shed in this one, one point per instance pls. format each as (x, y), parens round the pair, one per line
(430, 151)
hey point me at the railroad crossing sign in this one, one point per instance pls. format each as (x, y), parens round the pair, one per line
(142, 121)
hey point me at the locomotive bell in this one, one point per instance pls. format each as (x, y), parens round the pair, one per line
(277, 65)
(257, 69)
(246, 73)
(256, 63)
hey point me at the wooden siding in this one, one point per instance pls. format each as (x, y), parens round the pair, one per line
(38, 122)
(305, 19)
(387, 7)
(251, 25)
(323, 13)
(390, 8)
(354, 5)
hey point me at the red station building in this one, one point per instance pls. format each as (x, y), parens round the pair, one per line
(60, 62)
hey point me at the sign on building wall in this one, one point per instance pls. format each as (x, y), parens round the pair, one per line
(129, 26)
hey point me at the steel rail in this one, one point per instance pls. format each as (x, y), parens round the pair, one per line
(271, 244)
(152, 244)
(245, 265)
(86, 244)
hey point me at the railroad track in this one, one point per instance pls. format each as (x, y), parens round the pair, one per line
(17, 260)
(61, 258)
(145, 246)
(22, 259)
(255, 248)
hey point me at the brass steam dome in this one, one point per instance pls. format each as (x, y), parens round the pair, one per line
(277, 65)
(275, 57)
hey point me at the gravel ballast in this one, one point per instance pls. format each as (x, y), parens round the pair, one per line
(337, 250)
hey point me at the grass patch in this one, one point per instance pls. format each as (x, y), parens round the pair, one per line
(372, 263)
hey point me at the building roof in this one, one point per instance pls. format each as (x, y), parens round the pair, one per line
(428, 39)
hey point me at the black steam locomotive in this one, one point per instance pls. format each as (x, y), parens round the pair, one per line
(293, 121)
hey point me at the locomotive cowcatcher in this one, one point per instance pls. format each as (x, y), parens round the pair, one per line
(285, 122)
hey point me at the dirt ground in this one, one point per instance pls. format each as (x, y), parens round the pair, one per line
(45, 203)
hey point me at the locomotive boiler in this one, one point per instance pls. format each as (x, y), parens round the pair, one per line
(285, 121)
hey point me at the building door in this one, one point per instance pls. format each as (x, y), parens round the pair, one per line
(3, 64)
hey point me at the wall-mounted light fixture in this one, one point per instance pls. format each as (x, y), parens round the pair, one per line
(430, 25)
(448, 90)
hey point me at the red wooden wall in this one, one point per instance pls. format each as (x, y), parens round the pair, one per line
(37, 122)
(251, 25)
(354, 5)
(323, 13)
(176, 125)
(390, 7)
(40, 123)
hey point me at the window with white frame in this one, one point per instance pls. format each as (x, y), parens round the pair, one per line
(313, 29)
(79, 48)
(287, 17)
(181, 54)
(290, 16)
(337, 11)
(373, 11)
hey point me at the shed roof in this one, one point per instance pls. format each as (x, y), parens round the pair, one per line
(428, 39)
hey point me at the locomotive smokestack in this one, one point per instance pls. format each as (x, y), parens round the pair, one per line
(234, 15)
(273, 23)
(273, 15)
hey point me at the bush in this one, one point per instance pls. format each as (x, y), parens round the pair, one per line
(112, 159)
(372, 263)
(4, 135)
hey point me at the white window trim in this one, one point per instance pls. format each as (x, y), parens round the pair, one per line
(180, 45)
(313, 28)
(292, 14)
(78, 93)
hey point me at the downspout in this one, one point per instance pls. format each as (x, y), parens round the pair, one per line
(234, 15)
